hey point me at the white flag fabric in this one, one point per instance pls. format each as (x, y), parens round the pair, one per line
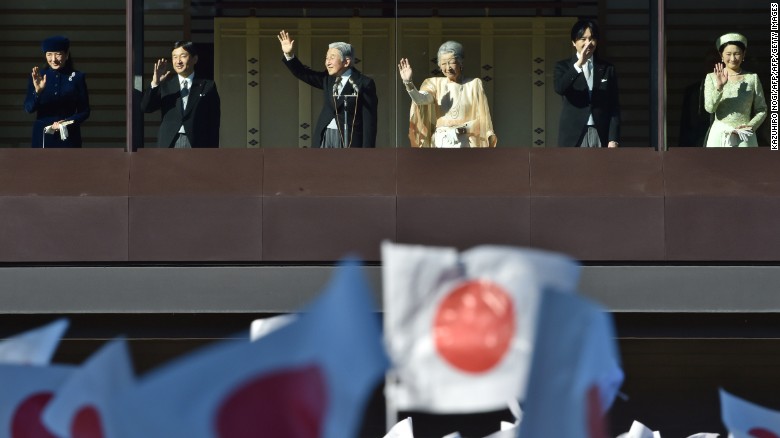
(575, 371)
(459, 328)
(705, 435)
(507, 429)
(80, 406)
(310, 378)
(639, 430)
(747, 420)
(25, 390)
(263, 326)
(402, 429)
(34, 347)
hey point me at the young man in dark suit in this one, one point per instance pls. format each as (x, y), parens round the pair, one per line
(190, 105)
(590, 116)
(349, 111)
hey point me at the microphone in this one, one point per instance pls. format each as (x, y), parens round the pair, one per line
(336, 86)
(354, 84)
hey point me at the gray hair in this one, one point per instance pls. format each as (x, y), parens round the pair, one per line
(453, 47)
(344, 48)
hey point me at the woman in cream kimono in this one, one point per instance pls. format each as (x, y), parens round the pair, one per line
(734, 96)
(450, 111)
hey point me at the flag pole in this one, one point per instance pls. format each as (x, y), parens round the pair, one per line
(391, 409)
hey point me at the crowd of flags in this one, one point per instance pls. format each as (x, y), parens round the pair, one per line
(462, 332)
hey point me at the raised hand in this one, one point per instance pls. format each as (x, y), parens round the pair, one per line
(38, 80)
(161, 72)
(586, 54)
(286, 42)
(405, 70)
(721, 75)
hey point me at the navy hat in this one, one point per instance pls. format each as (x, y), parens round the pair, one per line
(55, 44)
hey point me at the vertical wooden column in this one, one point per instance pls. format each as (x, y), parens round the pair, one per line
(486, 55)
(253, 92)
(303, 52)
(538, 92)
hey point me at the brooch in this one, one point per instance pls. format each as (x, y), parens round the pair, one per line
(71, 76)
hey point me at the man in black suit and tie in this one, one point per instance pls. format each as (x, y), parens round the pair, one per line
(190, 106)
(349, 112)
(591, 113)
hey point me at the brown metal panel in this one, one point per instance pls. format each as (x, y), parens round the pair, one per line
(596, 172)
(598, 204)
(321, 204)
(728, 228)
(196, 205)
(721, 204)
(199, 172)
(464, 222)
(195, 228)
(63, 172)
(330, 172)
(63, 205)
(312, 228)
(63, 228)
(463, 197)
(463, 172)
(599, 228)
(722, 172)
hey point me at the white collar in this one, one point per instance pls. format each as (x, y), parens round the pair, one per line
(189, 80)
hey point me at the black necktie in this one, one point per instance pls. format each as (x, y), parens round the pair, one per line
(185, 91)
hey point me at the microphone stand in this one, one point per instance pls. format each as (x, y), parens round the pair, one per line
(355, 94)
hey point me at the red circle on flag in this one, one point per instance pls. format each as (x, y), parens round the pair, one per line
(288, 403)
(86, 423)
(26, 419)
(759, 432)
(474, 325)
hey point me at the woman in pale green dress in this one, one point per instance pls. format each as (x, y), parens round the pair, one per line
(734, 96)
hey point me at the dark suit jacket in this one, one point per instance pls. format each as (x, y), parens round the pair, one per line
(65, 97)
(364, 114)
(200, 118)
(578, 103)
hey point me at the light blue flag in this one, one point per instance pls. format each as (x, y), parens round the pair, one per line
(310, 378)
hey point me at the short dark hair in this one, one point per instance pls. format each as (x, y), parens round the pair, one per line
(188, 46)
(579, 29)
(739, 44)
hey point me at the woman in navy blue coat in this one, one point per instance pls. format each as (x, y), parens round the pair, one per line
(57, 94)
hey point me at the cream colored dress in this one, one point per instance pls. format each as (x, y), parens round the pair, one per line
(738, 103)
(440, 103)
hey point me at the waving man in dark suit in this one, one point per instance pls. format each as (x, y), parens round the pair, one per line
(591, 113)
(190, 105)
(349, 111)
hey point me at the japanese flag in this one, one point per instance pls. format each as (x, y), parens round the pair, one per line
(575, 373)
(25, 390)
(747, 420)
(34, 347)
(79, 408)
(310, 378)
(459, 328)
